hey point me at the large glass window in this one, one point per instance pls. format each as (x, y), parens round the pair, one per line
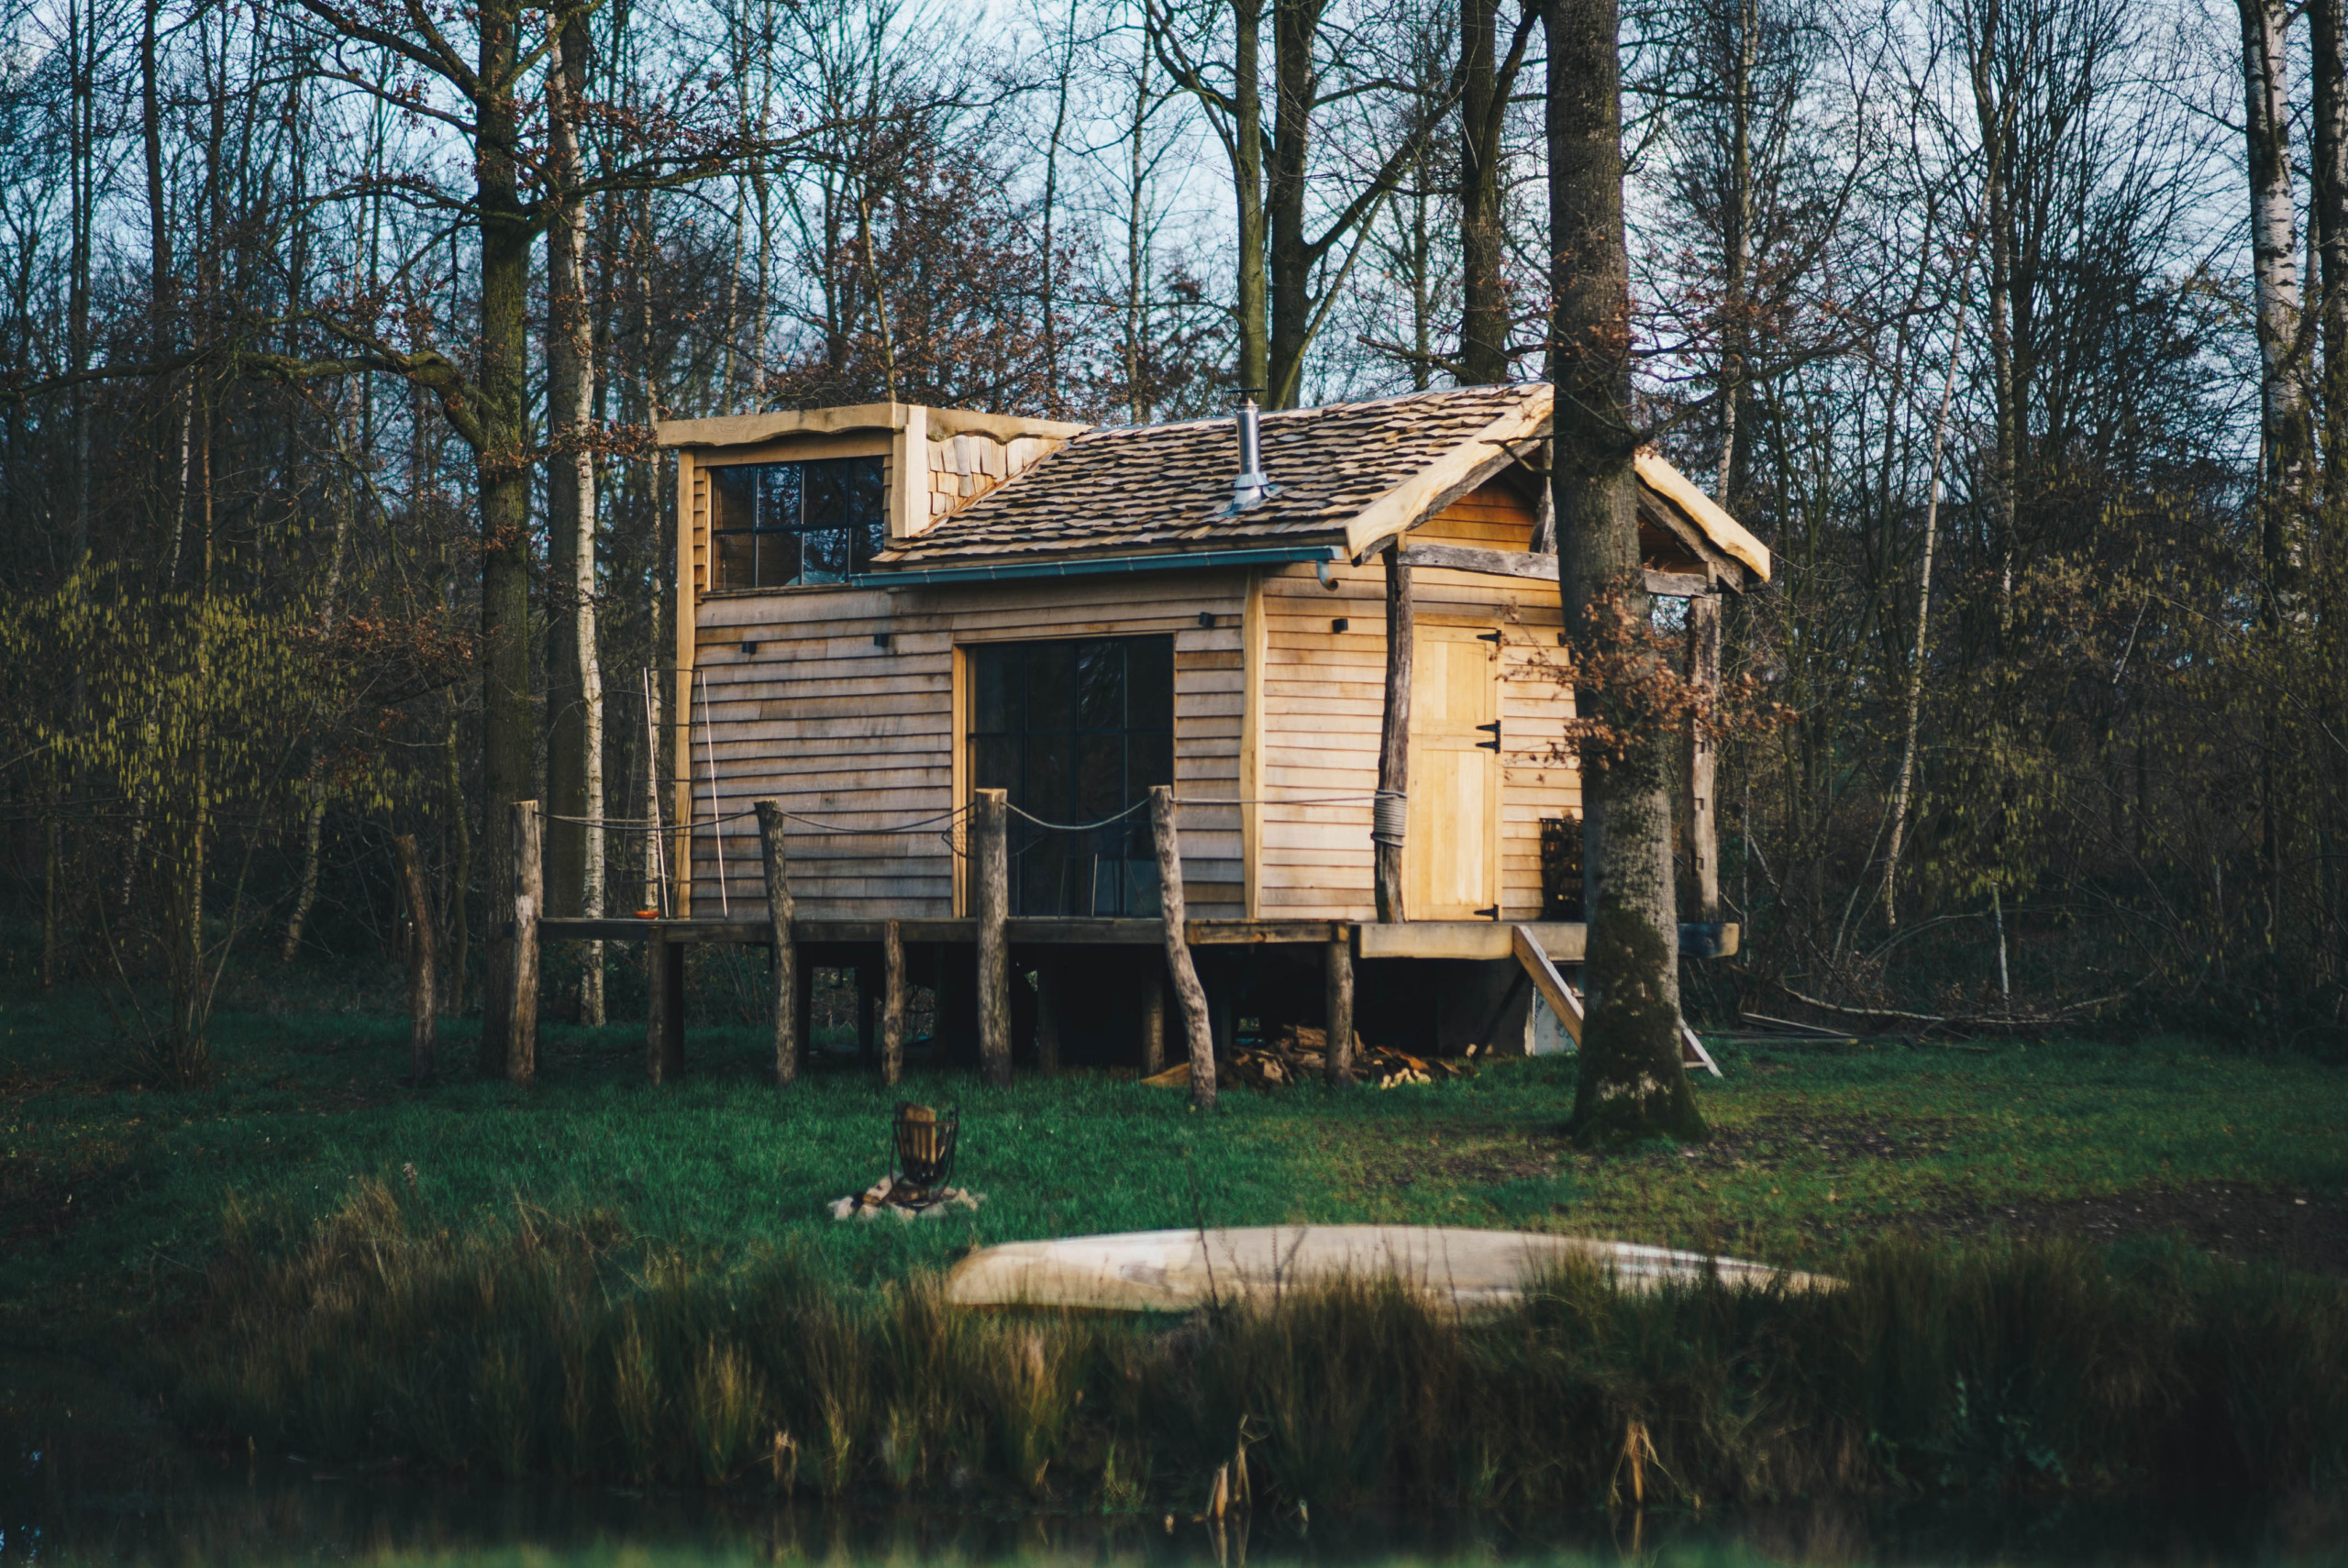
(780, 524)
(1076, 732)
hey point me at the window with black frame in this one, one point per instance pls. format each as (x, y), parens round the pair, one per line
(787, 524)
(1076, 732)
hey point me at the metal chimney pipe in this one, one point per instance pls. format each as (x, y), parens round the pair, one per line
(1250, 488)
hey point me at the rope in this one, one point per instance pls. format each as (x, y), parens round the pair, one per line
(1081, 827)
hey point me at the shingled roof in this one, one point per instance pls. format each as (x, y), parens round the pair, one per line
(1135, 489)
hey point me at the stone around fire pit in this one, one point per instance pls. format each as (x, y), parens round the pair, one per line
(909, 1203)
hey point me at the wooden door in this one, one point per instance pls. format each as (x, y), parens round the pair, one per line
(1452, 844)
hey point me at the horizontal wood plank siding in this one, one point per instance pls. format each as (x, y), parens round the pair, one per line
(1324, 699)
(859, 739)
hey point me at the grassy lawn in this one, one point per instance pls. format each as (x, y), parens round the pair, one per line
(111, 1196)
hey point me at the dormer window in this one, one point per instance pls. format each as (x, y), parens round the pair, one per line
(788, 524)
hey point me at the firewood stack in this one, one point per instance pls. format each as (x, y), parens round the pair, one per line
(1298, 1052)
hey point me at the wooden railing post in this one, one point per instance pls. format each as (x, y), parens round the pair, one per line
(1390, 816)
(1191, 995)
(1338, 992)
(784, 978)
(991, 822)
(423, 1002)
(529, 903)
(892, 1002)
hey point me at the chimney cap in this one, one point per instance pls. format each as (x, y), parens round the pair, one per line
(1250, 488)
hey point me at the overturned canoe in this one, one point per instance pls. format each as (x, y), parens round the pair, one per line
(1176, 1271)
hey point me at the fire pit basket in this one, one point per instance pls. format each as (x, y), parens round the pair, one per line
(921, 1142)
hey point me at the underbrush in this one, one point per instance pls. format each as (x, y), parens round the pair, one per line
(565, 1345)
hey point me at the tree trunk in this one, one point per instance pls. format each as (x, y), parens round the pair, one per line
(2275, 263)
(1247, 169)
(1737, 244)
(422, 1011)
(1993, 114)
(1294, 25)
(575, 851)
(2329, 199)
(1631, 1084)
(1483, 236)
(503, 463)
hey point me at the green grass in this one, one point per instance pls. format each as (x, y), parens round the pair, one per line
(599, 1278)
(111, 1194)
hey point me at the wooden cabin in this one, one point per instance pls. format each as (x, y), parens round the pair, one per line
(883, 609)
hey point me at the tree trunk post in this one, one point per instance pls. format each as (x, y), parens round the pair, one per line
(655, 1006)
(992, 818)
(1196, 1028)
(1153, 1023)
(783, 993)
(892, 1002)
(1047, 1018)
(529, 898)
(1338, 992)
(1703, 805)
(423, 953)
(1390, 814)
(1631, 1084)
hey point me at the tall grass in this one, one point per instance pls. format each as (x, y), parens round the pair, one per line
(562, 1345)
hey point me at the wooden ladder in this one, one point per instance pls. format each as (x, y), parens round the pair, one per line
(1566, 1002)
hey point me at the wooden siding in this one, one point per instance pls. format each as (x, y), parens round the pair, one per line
(864, 738)
(1323, 696)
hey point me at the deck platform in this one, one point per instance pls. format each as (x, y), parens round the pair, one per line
(1469, 939)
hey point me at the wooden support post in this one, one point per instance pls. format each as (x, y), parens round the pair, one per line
(1390, 816)
(1703, 806)
(423, 952)
(529, 903)
(664, 1014)
(655, 1006)
(1153, 1022)
(1338, 992)
(783, 981)
(1047, 1018)
(1187, 989)
(867, 1008)
(892, 1003)
(991, 821)
(1534, 960)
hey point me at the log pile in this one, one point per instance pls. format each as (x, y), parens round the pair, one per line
(1295, 1054)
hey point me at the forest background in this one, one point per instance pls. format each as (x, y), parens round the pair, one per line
(331, 334)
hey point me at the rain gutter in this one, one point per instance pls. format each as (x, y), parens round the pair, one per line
(1097, 566)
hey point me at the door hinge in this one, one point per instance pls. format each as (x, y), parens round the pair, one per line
(1492, 913)
(1492, 637)
(1493, 744)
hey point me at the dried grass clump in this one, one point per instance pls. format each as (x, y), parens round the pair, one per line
(540, 1344)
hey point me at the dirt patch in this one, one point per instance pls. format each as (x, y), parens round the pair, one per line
(2296, 1229)
(1472, 1155)
(1818, 1140)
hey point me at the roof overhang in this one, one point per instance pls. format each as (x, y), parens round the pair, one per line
(746, 429)
(1471, 463)
(1097, 566)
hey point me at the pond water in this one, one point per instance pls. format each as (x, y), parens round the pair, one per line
(87, 1477)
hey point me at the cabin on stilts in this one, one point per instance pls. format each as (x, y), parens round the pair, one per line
(959, 650)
